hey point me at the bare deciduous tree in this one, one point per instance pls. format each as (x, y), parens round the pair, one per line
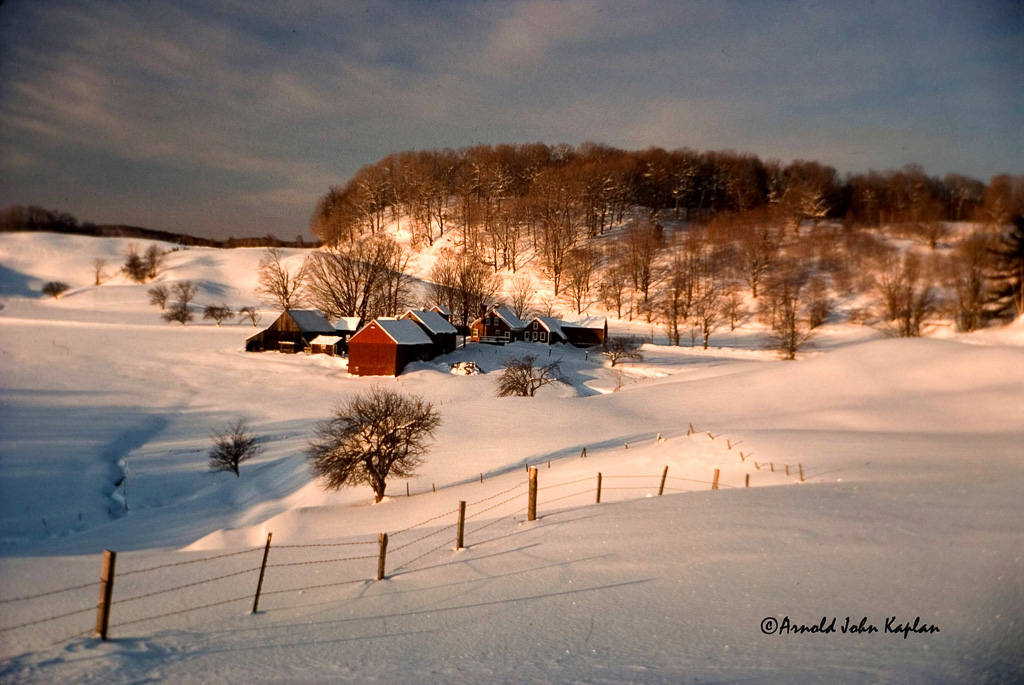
(906, 292)
(218, 312)
(153, 260)
(376, 435)
(252, 314)
(159, 294)
(790, 333)
(523, 377)
(463, 284)
(620, 347)
(98, 265)
(232, 446)
(134, 265)
(280, 286)
(185, 291)
(521, 297)
(366, 278)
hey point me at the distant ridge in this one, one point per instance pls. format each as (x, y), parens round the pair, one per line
(33, 219)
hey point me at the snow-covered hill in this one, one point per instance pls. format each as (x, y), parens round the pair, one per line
(911, 452)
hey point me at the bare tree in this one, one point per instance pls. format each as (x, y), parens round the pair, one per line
(232, 446)
(790, 333)
(218, 312)
(98, 265)
(366, 278)
(580, 268)
(185, 291)
(732, 306)
(620, 347)
(906, 292)
(135, 266)
(521, 297)
(152, 261)
(523, 377)
(250, 313)
(280, 286)
(159, 294)
(55, 288)
(819, 304)
(463, 284)
(376, 435)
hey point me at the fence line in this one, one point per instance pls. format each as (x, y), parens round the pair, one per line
(790, 470)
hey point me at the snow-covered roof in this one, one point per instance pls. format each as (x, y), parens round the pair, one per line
(592, 322)
(434, 322)
(325, 340)
(440, 308)
(511, 319)
(311, 321)
(404, 331)
(347, 324)
(552, 324)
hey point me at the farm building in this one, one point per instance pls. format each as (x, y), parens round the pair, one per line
(585, 332)
(443, 311)
(545, 329)
(436, 326)
(497, 325)
(384, 346)
(345, 327)
(327, 344)
(291, 332)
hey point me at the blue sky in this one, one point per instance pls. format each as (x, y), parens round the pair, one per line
(224, 117)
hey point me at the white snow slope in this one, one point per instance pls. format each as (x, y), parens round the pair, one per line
(911, 452)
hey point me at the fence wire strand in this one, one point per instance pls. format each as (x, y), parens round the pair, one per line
(181, 611)
(325, 544)
(571, 482)
(493, 506)
(428, 535)
(182, 587)
(48, 593)
(190, 561)
(575, 494)
(47, 619)
(321, 561)
(499, 494)
(423, 523)
(313, 587)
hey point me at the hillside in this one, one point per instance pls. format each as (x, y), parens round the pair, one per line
(910, 451)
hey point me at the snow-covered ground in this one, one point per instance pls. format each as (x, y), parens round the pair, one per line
(911, 452)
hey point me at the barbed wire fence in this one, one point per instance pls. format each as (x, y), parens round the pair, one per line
(418, 543)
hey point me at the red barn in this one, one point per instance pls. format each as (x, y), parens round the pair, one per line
(384, 346)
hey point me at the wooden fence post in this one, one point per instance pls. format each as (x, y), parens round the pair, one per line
(757, 466)
(481, 477)
(772, 464)
(433, 486)
(691, 431)
(583, 454)
(462, 526)
(664, 475)
(263, 570)
(598, 487)
(549, 463)
(531, 513)
(742, 458)
(787, 469)
(383, 539)
(728, 443)
(106, 594)
(801, 472)
(714, 483)
(747, 484)
(407, 489)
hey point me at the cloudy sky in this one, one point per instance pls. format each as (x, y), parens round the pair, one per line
(227, 117)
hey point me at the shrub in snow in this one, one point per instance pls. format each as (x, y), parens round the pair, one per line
(373, 436)
(620, 347)
(218, 312)
(232, 446)
(158, 295)
(55, 288)
(523, 377)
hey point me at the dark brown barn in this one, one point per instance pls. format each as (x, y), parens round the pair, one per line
(384, 346)
(586, 332)
(497, 325)
(436, 326)
(291, 332)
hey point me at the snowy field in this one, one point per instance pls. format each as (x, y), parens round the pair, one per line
(912, 454)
